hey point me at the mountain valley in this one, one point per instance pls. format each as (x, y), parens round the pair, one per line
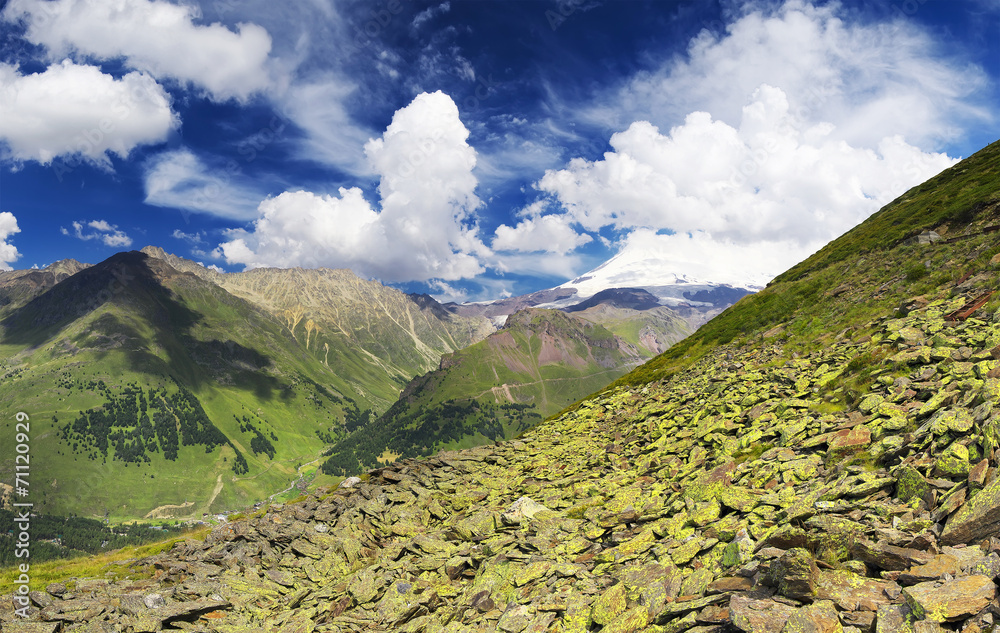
(137, 368)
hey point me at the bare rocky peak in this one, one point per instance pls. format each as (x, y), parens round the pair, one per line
(383, 320)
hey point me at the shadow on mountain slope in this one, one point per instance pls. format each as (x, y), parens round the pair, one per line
(151, 324)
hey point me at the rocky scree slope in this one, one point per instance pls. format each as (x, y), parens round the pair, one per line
(809, 474)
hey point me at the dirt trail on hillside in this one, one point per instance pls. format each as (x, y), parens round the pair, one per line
(504, 389)
(165, 511)
(215, 492)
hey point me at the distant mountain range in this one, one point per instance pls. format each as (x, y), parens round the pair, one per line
(694, 299)
(158, 387)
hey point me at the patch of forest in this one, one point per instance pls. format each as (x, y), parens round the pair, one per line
(259, 443)
(134, 422)
(418, 431)
(54, 537)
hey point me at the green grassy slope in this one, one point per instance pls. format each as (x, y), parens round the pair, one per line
(132, 325)
(538, 363)
(651, 331)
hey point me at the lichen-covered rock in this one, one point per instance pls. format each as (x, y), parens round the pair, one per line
(882, 555)
(758, 616)
(523, 508)
(953, 462)
(632, 621)
(819, 617)
(848, 441)
(739, 550)
(795, 575)
(365, 586)
(978, 518)
(956, 420)
(853, 592)
(612, 603)
(894, 618)
(951, 599)
(910, 484)
(515, 619)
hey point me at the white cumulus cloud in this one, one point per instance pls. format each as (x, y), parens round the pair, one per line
(775, 177)
(772, 175)
(100, 230)
(73, 110)
(547, 233)
(157, 37)
(8, 252)
(770, 136)
(868, 79)
(425, 227)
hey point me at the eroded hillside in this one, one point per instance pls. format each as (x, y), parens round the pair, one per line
(376, 336)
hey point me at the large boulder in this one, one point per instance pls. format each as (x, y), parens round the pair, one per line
(795, 575)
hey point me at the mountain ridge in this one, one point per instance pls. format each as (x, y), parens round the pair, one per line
(411, 335)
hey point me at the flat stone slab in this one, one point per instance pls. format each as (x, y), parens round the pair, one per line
(852, 592)
(819, 617)
(758, 616)
(950, 600)
(937, 568)
(889, 557)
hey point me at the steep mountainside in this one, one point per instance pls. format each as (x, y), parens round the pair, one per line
(821, 457)
(268, 367)
(538, 363)
(651, 329)
(154, 391)
(376, 336)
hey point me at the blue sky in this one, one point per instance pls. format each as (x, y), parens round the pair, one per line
(476, 149)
